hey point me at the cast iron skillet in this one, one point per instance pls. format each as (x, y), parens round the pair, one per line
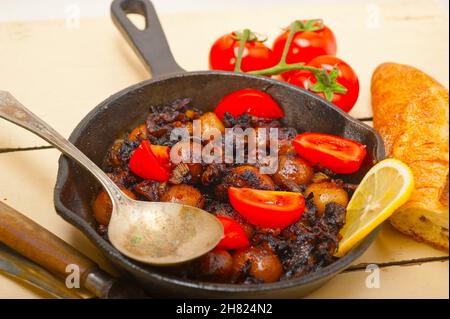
(75, 188)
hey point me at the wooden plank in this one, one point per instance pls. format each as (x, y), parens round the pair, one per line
(428, 280)
(62, 73)
(28, 179)
(392, 246)
(57, 72)
(27, 184)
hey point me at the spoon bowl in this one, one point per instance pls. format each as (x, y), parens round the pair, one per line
(154, 233)
(163, 233)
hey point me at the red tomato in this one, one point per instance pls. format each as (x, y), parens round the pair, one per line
(346, 77)
(234, 236)
(268, 209)
(148, 165)
(256, 56)
(162, 154)
(305, 45)
(254, 102)
(341, 155)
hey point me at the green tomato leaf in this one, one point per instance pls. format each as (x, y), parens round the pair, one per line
(318, 87)
(328, 94)
(339, 88)
(309, 24)
(334, 74)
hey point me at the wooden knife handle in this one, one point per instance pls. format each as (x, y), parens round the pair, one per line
(39, 245)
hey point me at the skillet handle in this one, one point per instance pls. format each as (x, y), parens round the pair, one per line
(149, 44)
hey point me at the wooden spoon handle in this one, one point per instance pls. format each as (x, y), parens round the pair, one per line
(39, 245)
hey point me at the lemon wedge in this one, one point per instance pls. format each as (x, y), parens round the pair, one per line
(385, 188)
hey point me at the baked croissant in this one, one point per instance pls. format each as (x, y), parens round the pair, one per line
(410, 111)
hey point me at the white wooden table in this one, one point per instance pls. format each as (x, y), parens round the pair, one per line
(62, 70)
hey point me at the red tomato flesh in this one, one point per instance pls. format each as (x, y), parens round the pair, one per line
(144, 163)
(234, 236)
(305, 46)
(268, 209)
(224, 52)
(249, 101)
(346, 77)
(162, 154)
(341, 155)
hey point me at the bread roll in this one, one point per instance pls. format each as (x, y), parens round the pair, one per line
(410, 112)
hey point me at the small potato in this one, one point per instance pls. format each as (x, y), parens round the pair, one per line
(293, 169)
(183, 194)
(285, 147)
(150, 189)
(189, 127)
(327, 192)
(191, 114)
(264, 264)
(183, 151)
(217, 265)
(244, 176)
(113, 158)
(186, 171)
(140, 133)
(285, 137)
(250, 176)
(320, 177)
(196, 171)
(102, 206)
(210, 121)
(183, 125)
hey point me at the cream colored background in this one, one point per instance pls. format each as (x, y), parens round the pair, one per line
(61, 73)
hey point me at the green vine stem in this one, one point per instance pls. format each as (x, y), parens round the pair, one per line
(243, 38)
(282, 66)
(326, 82)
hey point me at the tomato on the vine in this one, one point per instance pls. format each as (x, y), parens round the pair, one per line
(341, 75)
(256, 56)
(313, 39)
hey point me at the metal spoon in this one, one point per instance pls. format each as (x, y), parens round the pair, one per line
(151, 232)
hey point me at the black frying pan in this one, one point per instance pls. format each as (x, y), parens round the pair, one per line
(75, 188)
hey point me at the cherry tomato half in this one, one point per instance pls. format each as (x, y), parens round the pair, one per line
(268, 209)
(151, 162)
(346, 77)
(305, 45)
(341, 155)
(224, 52)
(254, 102)
(234, 236)
(162, 154)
